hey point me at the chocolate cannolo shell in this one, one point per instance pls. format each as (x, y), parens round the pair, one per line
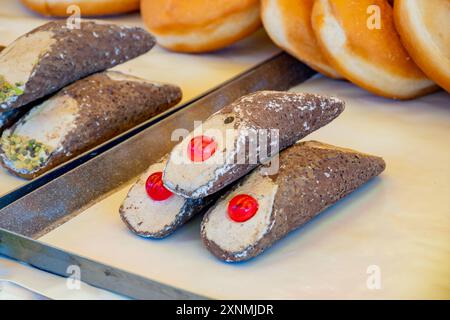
(8, 118)
(63, 56)
(98, 107)
(294, 115)
(312, 177)
(158, 219)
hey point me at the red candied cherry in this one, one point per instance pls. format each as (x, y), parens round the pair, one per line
(155, 188)
(242, 208)
(201, 148)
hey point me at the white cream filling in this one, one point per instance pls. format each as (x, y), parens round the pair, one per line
(49, 122)
(19, 58)
(237, 237)
(195, 178)
(146, 215)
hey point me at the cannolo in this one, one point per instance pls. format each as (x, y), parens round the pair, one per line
(232, 141)
(263, 208)
(53, 55)
(79, 117)
(152, 211)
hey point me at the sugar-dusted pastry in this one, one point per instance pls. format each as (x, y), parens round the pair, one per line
(424, 27)
(53, 56)
(152, 211)
(288, 24)
(263, 208)
(200, 25)
(80, 117)
(232, 141)
(365, 48)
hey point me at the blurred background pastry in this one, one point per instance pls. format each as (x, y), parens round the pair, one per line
(88, 8)
(288, 24)
(373, 58)
(200, 25)
(424, 27)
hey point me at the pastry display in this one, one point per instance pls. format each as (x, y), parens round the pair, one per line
(424, 27)
(264, 208)
(227, 145)
(58, 8)
(288, 24)
(200, 25)
(152, 211)
(373, 58)
(79, 117)
(53, 56)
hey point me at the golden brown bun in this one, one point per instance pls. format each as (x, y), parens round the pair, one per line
(200, 25)
(288, 24)
(424, 27)
(373, 58)
(58, 8)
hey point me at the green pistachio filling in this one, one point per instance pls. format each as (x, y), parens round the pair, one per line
(25, 153)
(7, 90)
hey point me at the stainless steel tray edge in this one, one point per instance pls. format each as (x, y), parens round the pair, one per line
(99, 275)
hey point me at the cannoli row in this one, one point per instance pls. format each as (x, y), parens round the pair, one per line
(232, 142)
(263, 208)
(80, 117)
(53, 56)
(152, 211)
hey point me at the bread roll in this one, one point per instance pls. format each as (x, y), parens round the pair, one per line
(366, 53)
(264, 208)
(424, 27)
(288, 24)
(200, 25)
(88, 8)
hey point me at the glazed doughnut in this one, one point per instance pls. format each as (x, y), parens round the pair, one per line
(58, 8)
(373, 58)
(200, 25)
(422, 25)
(288, 24)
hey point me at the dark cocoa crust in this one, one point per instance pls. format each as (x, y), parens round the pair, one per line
(289, 120)
(299, 197)
(78, 53)
(107, 108)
